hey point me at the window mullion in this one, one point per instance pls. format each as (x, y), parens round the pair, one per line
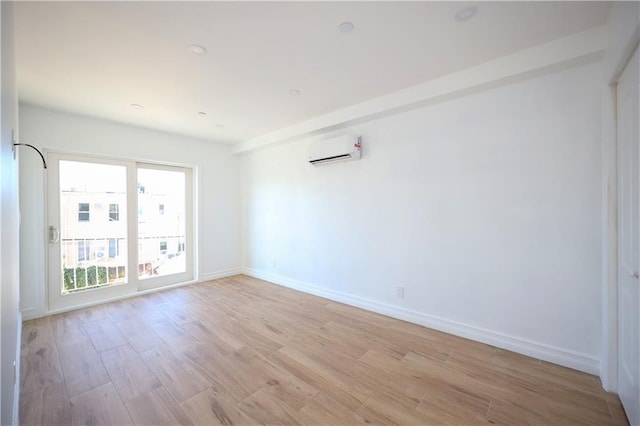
(132, 223)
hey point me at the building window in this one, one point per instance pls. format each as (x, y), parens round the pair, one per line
(113, 248)
(163, 247)
(161, 208)
(114, 212)
(83, 251)
(83, 212)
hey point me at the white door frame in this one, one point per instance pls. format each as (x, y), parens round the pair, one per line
(189, 274)
(57, 300)
(609, 357)
(628, 235)
(58, 303)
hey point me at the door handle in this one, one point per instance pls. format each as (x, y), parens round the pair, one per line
(54, 234)
(636, 275)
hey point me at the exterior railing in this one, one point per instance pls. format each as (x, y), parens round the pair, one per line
(100, 262)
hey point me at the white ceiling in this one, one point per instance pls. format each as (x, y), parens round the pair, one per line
(97, 58)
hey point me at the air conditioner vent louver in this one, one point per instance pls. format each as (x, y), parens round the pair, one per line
(341, 148)
(337, 157)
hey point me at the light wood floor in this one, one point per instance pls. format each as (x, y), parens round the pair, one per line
(242, 351)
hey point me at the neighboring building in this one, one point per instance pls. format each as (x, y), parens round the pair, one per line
(93, 234)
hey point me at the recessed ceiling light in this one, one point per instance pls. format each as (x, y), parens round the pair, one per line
(202, 113)
(136, 106)
(346, 27)
(220, 126)
(466, 13)
(294, 92)
(196, 49)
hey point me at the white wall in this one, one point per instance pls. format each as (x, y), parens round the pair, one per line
(10, 319)
(486, 208)
(218, 187)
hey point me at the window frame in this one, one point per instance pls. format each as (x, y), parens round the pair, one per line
(116, 212)
(83, 212)
(129, 248)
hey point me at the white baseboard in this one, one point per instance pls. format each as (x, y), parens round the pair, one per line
(553, 354)
(15, 421)
(31, 313)
(219, 274)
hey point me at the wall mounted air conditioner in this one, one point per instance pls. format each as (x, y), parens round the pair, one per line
(341, 148)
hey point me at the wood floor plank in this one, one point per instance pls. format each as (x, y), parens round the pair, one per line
(104, 335)
(129, 374)
(40, 363)
(345, 383)
(286, 387)
(121, 311)
(223, 373)
(99, 406)
(158, 407)
(68, 329)
(262, 408)
(439, 392)
(139, 335)
(205, 331)
(399, 379)
(383, 410)
(176, 296)
(239, 350)
(146, 307)
(175, 372)
(442, 411)
(324, 410)
(47, 406)
(82, 367)
(181, 314)
(92, 313)
(518, 411)
(211, 407)
(249, 337)
(616, 409)
(173, 335)
(326, 384)
(356, 343)
(559, 376)
(406, 391)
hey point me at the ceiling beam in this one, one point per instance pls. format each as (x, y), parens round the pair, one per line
(584, 47)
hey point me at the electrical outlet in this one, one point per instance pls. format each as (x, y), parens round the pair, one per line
(400, 292)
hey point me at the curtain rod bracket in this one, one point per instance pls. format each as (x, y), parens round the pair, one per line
(44, 162)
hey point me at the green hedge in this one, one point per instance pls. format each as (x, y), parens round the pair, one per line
(93, 275)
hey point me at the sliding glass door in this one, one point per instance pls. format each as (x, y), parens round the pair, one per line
(116, 227)
(164, 253)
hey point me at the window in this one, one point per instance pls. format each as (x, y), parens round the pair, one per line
(114, 212)
(163, 247)
(83, 212)
(83, 251)
(113, 247)
(161, 208)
